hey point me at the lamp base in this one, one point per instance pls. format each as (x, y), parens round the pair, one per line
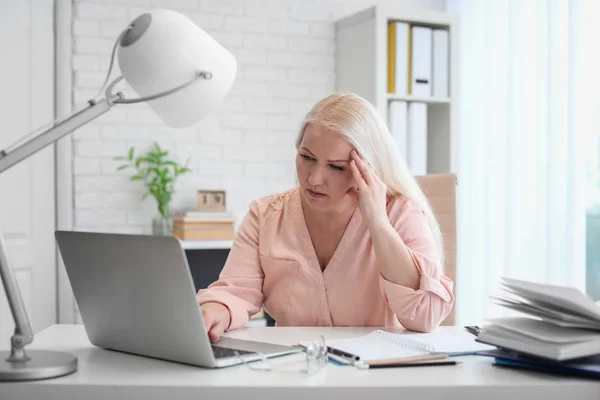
(42, 364)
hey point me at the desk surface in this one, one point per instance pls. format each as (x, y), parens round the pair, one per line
(109, 374)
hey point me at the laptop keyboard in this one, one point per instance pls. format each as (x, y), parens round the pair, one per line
(222, 352)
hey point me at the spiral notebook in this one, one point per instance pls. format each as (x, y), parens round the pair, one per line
(381, 345)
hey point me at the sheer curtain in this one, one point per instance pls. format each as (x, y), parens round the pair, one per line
(528, 98)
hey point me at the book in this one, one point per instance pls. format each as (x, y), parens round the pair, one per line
(381, 346)
(583, 367)
(205, 216)
(552, 302)
(204, 234)
(555, 322)
(540, 338)
(200, 225)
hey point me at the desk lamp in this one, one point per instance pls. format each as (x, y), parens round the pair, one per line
(182, 73)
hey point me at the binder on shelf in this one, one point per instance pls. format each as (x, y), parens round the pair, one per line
(391, 58)
(417, 138)
(398, 123)
(440, 63)
(402, 57)
(398, 58)
(421, 68)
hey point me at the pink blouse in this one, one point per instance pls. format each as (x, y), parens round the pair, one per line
(273, 262)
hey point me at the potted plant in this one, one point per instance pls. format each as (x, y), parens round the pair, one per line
(159, 174)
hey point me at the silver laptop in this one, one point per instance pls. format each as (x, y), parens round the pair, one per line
(135, 294)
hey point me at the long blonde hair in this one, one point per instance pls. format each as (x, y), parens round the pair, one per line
(362, 126)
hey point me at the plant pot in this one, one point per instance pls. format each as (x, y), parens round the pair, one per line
(162, 226)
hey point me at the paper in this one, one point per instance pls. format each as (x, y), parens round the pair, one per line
(374, 347)
(452, 343)
(545, 331)
(381, 345)
(564, 298)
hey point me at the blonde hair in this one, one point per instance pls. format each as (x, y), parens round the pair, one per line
(355, 119)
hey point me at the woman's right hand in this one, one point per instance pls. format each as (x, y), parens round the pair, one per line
(216, 319)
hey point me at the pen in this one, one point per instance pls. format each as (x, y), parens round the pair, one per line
(474, 329)
(339, 359)
(342, 353)
(425, 364)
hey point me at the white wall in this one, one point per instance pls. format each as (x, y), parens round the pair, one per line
(285, 50)
(347, 7)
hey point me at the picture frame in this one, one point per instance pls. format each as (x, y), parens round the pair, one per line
(211, 200)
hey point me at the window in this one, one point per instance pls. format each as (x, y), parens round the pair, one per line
(592, 170)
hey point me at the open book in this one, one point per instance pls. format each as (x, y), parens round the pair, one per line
(379, 345)
(561, 323)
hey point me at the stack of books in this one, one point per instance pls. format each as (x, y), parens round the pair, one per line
(204, 225)
(559, 331)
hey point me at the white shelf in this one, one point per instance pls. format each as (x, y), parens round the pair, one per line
(206, 244)
(428, 100)
(362, 68)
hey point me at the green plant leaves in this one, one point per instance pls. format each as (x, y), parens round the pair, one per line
(158, 173)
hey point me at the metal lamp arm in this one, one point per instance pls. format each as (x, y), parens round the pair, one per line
(53, 134)
(23, 333)
(96, 109)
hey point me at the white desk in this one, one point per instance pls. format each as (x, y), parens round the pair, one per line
(104, 374)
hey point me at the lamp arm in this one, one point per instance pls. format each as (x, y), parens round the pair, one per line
(23, 333)
(51, 135)
(199, 75)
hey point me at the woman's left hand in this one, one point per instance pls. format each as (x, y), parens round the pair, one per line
(370, 192)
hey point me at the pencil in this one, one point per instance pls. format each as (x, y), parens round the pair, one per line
(420, 364)
(407, 360)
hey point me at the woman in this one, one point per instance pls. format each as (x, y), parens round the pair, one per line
(355, 244)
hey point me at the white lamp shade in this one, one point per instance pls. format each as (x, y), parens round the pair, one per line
(167, 51)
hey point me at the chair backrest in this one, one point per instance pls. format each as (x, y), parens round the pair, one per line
(440, 190)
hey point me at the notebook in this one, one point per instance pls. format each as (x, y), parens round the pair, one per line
(540, 338)
(560, 305)
(381, 345)
(555, 322)
(584, 367)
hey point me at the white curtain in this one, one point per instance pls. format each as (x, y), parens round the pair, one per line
(528, 99)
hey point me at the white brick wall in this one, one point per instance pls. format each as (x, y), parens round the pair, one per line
(285, 55)
(285, 50)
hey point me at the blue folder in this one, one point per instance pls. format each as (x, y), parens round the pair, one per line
(588, 367)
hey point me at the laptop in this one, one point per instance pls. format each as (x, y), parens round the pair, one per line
(136, 295)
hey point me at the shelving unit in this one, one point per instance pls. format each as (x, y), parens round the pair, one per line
(428, 100)
(206, 244)
(362, 68)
